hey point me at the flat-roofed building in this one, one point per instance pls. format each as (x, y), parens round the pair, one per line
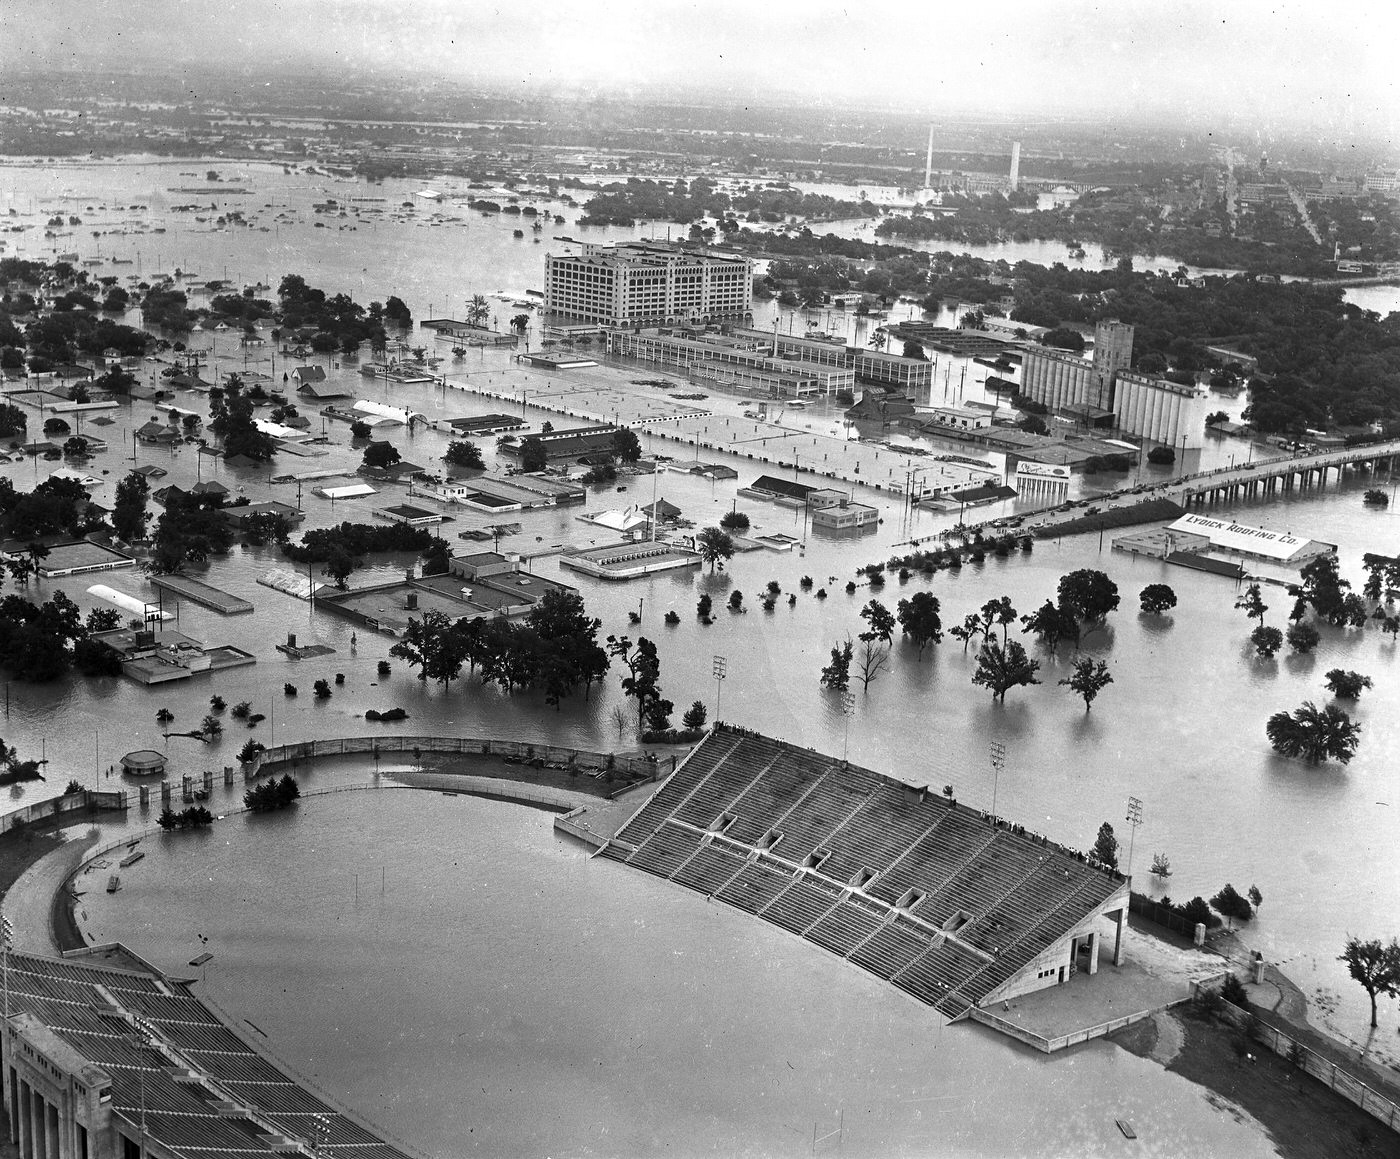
(1241, 539)
(737, 378)
(910, 375)
(959, 418)
(476, 587)
(647, 283)
(735, 361)
(572, 442)
(846, 516)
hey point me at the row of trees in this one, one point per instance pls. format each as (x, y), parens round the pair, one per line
(1228, 902)
(337, 321)
(194, 817)
(275, 793)
(1086, 598)
(53, 506)
(41, 642)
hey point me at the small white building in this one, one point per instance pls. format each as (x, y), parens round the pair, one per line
(846, 516)
(960, 418)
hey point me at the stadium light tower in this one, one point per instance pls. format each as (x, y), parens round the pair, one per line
(7, 935)
(998, 754)
(848, 709)
(321, 1133)
(1134, 819)
(140, 1037)
(719, 671)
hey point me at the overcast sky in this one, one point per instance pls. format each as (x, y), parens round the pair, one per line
(1319, 61)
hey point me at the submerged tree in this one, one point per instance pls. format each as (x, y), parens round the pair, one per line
(430, 644)
(968, 630)
(918, 616)
(1303, 638)
(1156, 599)
(880, 622)
(643, 679)
(1051, 623)
(464, 453)
(1087, 594)
(1375, 966)
(1252, 604)
(1315, 734)
(1004, 668)
(837, 674)
(871, 659)
(1324, 590)
(1089, 678)
(714, 546)
(1232, 905)
(997, 613)
(1346, 685)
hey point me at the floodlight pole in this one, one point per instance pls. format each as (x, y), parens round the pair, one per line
(7, 933)
(1134, 819)
(848, 708)
(998, 754)
(720, 671)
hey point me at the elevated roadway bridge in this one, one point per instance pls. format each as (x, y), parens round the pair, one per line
(1269, 477)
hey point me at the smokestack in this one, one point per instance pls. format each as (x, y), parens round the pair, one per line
(928, 161)
(1015, 165)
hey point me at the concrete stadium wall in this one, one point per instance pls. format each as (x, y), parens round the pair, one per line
(632, 767)
(59, 806)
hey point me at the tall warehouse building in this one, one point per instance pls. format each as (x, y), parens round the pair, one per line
(647, 283)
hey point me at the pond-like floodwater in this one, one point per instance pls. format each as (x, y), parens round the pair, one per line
(476, 986)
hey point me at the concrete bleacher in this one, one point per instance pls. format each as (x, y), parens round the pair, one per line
(830, 852)
(170, 1060)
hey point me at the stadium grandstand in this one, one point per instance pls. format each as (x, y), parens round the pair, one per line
(118, 1061)
(956, 908)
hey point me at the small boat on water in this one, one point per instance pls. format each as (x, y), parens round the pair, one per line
(131, 858)
(114, 883)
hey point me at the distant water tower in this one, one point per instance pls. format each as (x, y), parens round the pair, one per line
(1015, 166)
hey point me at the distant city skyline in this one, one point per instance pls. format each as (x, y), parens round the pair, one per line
(1268, 64)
